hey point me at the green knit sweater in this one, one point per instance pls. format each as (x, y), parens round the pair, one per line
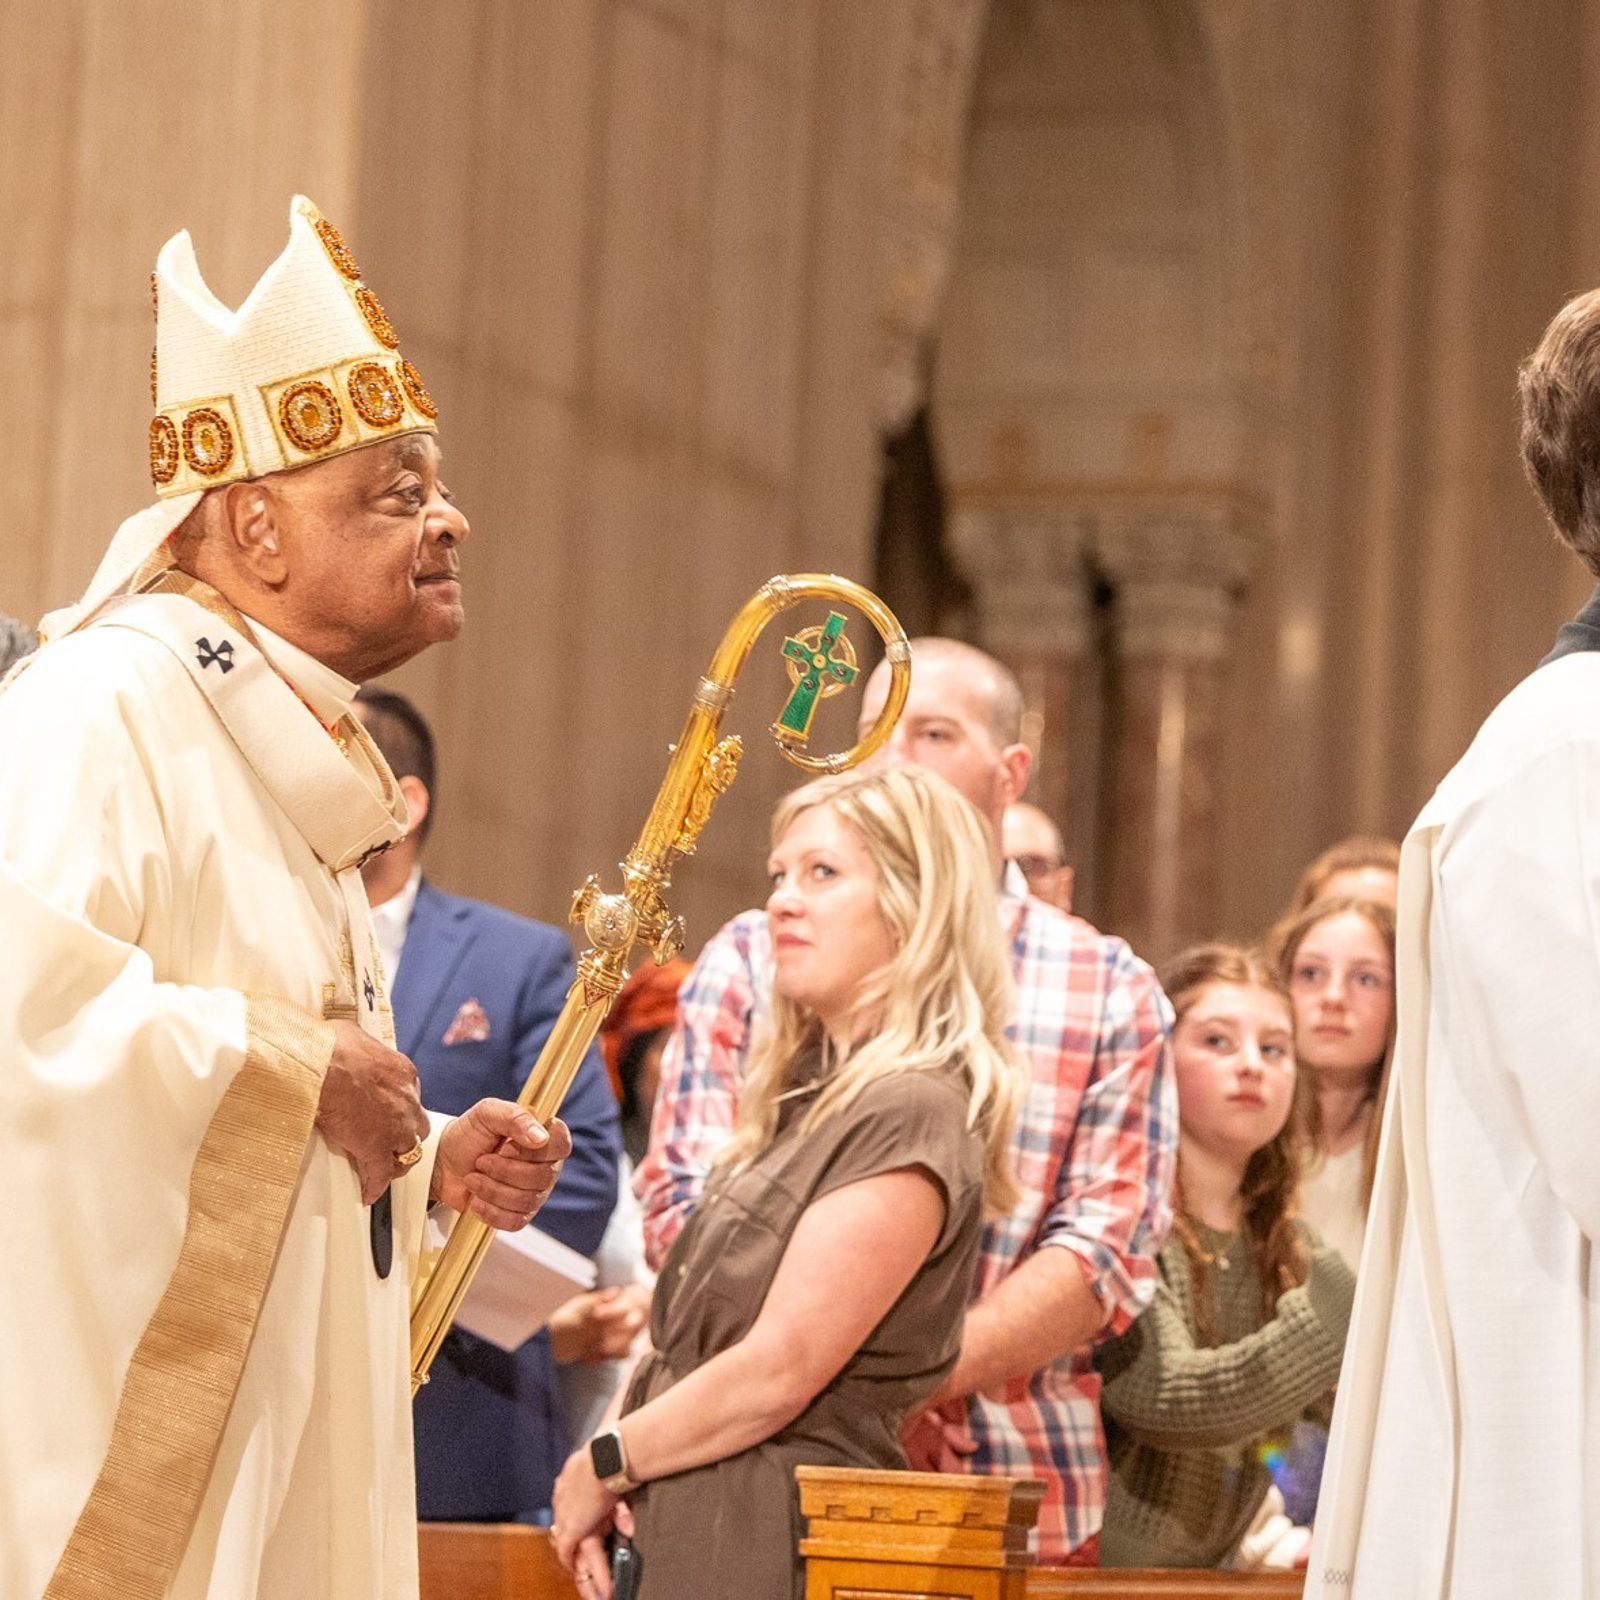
(1184, 1422)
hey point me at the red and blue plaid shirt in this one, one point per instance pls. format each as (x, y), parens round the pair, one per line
(1096, 1143)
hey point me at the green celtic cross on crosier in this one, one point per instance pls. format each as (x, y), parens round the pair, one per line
(821, 674)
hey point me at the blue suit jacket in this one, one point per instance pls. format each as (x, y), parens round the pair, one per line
(490, 1431)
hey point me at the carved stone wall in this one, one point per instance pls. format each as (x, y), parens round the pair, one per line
(1178, 576)
(1284, 260)
(931, 66)
(1095, 387)
(643, 250)
(672, 268)
(119, 125)
(1033, 586)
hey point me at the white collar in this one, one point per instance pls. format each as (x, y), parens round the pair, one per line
(396, 910)
(1013, 886)
(327, 693)
(1013, 898)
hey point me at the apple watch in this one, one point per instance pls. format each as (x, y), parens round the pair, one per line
(611, 1462)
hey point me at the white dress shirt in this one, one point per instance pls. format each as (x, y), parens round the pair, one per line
(390, 921)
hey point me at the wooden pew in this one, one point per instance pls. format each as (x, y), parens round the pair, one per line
(915, 1533)
(490, 1561)
(891, 1535)
(1049, 1583)
(925, 1536)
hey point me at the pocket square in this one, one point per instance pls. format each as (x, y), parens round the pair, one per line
(469, 1025)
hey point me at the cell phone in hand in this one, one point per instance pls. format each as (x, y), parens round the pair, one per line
(624, 1571)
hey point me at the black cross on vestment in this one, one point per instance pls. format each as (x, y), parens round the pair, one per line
(221, 656)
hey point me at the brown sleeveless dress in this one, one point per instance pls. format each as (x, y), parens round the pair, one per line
(729, 1530)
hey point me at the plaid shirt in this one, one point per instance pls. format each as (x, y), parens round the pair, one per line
(1095, 1142)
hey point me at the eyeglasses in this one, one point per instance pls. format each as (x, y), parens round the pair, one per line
(1033, 867)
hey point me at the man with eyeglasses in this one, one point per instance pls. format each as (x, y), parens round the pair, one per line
(1029, 838)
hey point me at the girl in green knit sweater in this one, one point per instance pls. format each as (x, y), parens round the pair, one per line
(1247, 1327)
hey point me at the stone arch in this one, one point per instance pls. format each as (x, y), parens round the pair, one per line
(1103, 401)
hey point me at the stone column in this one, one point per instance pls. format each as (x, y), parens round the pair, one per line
(125, 123)
(934, 59)
(1176, 577)
(1033, 590)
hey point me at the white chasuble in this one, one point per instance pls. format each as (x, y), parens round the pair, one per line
(203, 1379)
(1465, 1455)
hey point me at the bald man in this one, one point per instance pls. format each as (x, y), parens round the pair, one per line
(1029, 838)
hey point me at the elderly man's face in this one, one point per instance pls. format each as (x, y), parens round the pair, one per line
(371, 543)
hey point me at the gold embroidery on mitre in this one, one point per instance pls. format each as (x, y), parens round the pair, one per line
(417, 391)
(201, 442)
(377, 319)
(155, 317)
(311, 415)
(369, 398)
(338, 251)
(163, 451)
(359, 393)
(375, 394)
(207, 441)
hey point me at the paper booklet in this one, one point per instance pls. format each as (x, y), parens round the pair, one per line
(522, 1280)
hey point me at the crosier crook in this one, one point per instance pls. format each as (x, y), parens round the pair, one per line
(821, 663)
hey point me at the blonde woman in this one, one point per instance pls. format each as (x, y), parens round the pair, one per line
(816, 1295)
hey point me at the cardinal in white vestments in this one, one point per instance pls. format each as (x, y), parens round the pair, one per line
(1465, 1455)
(217, 1167)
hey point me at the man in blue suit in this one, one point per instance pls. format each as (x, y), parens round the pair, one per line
(475, 993)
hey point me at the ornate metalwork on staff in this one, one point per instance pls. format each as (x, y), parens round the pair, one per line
(821, 663)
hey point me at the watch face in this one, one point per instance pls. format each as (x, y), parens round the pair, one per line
(605, 1451)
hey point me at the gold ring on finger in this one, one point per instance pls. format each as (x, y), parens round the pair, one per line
(409, 1158)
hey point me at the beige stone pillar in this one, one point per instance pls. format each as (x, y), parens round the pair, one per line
(124, 123)
(1177, 578)
(932, 53)
(1034, 598)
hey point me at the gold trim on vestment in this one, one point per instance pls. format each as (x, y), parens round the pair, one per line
(169, 579)
(135, 1527)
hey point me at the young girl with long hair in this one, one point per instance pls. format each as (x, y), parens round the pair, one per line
(1247, 1327)
(1337, 957)
(817, 1293)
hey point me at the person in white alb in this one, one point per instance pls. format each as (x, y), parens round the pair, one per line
(217, 1166)
(1464, 1460)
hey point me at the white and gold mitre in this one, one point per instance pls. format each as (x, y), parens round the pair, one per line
(307, 367)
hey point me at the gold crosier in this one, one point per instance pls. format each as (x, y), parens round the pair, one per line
(821, 663)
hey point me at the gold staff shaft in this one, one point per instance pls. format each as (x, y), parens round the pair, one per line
(701, 769)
